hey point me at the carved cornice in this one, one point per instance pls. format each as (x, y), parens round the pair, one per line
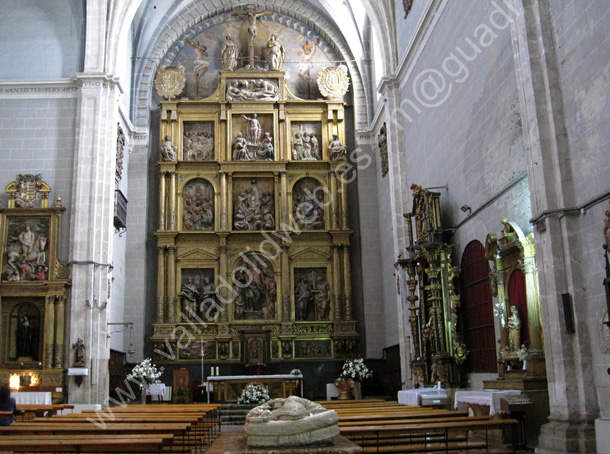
(53, 88)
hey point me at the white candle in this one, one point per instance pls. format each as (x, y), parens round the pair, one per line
(217, 371)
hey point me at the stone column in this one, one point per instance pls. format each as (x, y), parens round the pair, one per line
(285, 203)
(171, 285)
(162, 202)
(347, 283)
(160, 284)
(337, 291)
(223, 202)
(533, 305)
(286, 290)
(49, 331)
(60, 344)
(172, 201)
(224, 292)
(572, 393)
(334, 206)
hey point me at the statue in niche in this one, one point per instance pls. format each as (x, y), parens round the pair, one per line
(230, 54)
(25, 338)
(201, 65)
(254, 130)
(252, 90)
(208, 299)
(265, 152)
(79, 353)
(308, 205)
(275, 54)
(198, 146)
(191, 296)
(303, 299)
(315, 150)
(322, 299)
(514, 330)
(256, 288)
(254, 209)
(336, 150)
(168, 149)
(198, 206)
(306, 52)
(240, 149)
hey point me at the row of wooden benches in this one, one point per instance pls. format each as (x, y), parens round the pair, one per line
(387, 427)
(131, 428)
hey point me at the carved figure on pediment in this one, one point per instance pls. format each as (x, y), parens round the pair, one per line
(336, 150)
(230, 54)
(275, 54)
(168, 149)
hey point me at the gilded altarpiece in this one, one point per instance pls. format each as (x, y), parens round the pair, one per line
(33, 288)
(432, 304)
(253, 235)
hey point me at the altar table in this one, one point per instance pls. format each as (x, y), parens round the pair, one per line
(423, 396)
(228, 388)
(486, 398)
(31, 398)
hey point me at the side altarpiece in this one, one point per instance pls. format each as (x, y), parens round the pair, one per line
(33, 289)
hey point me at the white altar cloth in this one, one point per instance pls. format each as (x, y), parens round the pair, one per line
(412, 397)
(487, 397)
(156, 389)
(222, 378)
(31, 398)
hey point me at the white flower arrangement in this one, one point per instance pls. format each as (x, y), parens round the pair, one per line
(254, 394)
(295, 372)
(523, 352)
(145, 373)
(356, 370)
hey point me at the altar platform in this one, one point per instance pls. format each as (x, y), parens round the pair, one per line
(228, 388)
(339, 445)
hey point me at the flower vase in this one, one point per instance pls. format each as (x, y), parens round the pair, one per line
(345, 389)
(143, 396)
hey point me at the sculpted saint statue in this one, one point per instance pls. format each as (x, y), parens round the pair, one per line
(230, 54)
(168, 150)
(275, 54)
(514, 329)
(336, 150)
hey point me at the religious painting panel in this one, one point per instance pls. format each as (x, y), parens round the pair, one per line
(26, 254)
(312, 349)
(198, 141)
(306, 141)
(311, 294)
(252, 137)
(198, 206)
(225, 43)
(23, 330)
(256, 288)
(198, 293)
(195, 349)
(253, 204)
(308, 204)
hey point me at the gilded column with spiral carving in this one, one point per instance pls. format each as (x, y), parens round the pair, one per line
(171, 284)
(160, 284)
(60, 302)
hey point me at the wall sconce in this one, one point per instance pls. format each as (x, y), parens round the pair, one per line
(465, 208)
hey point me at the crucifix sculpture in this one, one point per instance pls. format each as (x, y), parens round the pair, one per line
(251, 15)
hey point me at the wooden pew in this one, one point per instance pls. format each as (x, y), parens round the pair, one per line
(89, 444)
(431, 436)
